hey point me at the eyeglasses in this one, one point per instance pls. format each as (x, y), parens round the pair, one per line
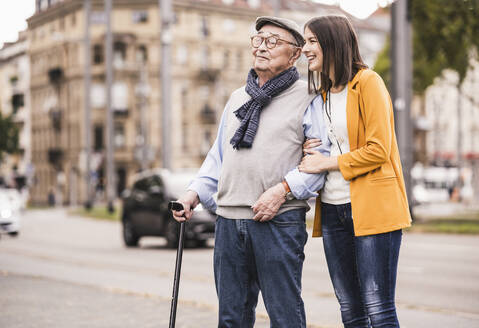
(271, 41)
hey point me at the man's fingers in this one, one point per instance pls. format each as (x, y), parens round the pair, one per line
(188, 215)
(255, 207)
(179, 218)
(311, 143)
(266, 218)
(310, 151)
(258, 216)
(183, 215)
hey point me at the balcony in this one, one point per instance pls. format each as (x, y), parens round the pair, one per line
(55, 156)
(55, 75)
(120, 112)
(55, 115)
(20, 116)
(208, 74)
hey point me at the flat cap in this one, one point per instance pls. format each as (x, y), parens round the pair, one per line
(287, 24)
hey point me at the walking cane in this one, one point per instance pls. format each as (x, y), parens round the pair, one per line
(176, 206)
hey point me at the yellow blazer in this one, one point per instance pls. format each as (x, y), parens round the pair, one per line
(373, 167)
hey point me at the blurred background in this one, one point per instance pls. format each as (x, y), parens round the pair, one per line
(108, 108)
(87, 103)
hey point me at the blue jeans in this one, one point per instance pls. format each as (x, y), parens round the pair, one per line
(251, 256)
(362, 269)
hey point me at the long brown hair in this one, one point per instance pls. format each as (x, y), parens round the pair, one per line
(339, 43)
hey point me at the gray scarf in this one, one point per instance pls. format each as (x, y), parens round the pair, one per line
(249, 112)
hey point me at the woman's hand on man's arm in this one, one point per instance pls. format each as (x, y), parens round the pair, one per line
(315, 162)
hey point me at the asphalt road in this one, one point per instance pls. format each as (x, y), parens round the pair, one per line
(66, 271)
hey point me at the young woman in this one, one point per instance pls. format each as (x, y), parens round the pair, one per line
(363, 205)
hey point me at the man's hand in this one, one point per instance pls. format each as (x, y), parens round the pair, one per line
(311, 144)
(268, 203)
(189, 201)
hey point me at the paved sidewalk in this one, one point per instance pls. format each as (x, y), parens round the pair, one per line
(31, 302)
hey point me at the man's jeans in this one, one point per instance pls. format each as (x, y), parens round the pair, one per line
(362, 269)
(251, 256)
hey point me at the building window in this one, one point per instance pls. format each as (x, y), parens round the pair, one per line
(254, 3)
(98, 17)
(142, 54)
(43, 4)
(97, 54)
(226, 59)
(182, 54)
(17, 102)
(229, 25)
(206, 143)
(205, 58)
(119, 53)
(98, 95)
(184, 108)
(119, 135)
(204, 31)
(13, 80)
(140, 16)
(98, 138)
(239, 60)
(119, 96)
(73, 19)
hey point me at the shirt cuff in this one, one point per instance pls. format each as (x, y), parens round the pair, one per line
(298, 186)
(204, 194)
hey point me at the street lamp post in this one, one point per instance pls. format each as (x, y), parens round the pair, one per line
(166, 14)
(87, 107)
(402, 87)
(109, 114)
(142, 92)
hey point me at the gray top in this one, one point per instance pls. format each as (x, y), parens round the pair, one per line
(276, 150)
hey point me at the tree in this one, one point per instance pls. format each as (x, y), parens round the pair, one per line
(444, 33)
(8, 136)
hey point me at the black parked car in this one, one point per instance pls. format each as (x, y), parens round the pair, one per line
(145, 210)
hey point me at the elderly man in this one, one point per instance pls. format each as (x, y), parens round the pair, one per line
(261, 230)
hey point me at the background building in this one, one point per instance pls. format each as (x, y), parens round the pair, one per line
(210, 58)
(449, 125)
(15, 100)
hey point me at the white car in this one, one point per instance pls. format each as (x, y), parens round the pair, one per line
(9, 214)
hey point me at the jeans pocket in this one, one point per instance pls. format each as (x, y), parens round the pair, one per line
(290, 218)
(285, 224)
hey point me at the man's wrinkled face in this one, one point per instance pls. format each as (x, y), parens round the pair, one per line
(271, 62)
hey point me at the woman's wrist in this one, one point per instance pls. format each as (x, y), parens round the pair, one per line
(332, 163)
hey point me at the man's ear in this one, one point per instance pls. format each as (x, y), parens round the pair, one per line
(296, 54)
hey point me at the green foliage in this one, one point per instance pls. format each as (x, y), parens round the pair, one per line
(100, 213)
(383, 63)
(458, 226)
(443, 34)
(8, 136)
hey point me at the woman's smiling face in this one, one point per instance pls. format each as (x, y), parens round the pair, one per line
(313, 52)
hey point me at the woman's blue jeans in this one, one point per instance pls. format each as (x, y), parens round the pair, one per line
(251, 256)
(362, 269)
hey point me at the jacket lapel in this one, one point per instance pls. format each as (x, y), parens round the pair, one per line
(352, 111)
(352, 114)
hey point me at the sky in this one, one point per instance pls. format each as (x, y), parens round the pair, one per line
(13, 13)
